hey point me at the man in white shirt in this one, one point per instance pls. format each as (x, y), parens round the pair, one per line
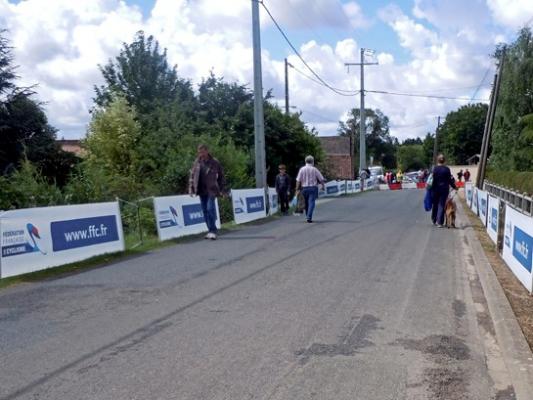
(307, 180)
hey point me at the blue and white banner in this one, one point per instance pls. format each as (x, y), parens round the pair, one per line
(474, 205)
(468, 193)
(178, 216)
(333, 188)
(482, 202)
(356, 186)
(273, 201)
(33, 239)
(493, 219)
(518, 245)
(248, 205)
(369, 184)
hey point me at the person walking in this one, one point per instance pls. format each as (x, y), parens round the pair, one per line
(467, 175)
(207, 181)
(440, 188)
(460, 175)
(307, 180)
(283, 188)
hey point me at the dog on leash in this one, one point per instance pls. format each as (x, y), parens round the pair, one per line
(449, 212)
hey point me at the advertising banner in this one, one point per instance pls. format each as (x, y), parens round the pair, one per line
(273, 200)
(349, 187)
(33, 239)
(474, 205)
(468, 193)
(493, 219)
(342, 187)
(518, 245)
(332, 189)
(357, 186)
(248, 205)
(369, 184)
(482, 202)
(178, 216)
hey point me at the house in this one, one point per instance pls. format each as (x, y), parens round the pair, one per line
(71, 146)
(338, 159)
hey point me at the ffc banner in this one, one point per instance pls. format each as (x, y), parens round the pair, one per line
(468, 192)
(482, 201)
(273, 201)
(474, 205)
(178, 216)
(493, 220)
(518, 245)
(333, 188)
(33, 239)
(248, 205)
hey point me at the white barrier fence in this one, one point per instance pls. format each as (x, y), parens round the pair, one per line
(248, 205)
(273, 201)
(33, 239)
(518, 245)
(517, 239)
(178, 216)
(493, 222)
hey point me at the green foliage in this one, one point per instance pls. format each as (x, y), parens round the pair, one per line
(411, 157)
(379, 143)
(427, 145)
(461, 134)
(521, 182)
(26, 187)
(113, 138)
(512, 137)
(142, 75)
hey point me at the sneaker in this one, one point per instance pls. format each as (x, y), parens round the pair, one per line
(208, 236)
(212, 236)
(440, 226)
(309, 221)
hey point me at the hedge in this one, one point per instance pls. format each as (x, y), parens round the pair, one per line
(521, 182)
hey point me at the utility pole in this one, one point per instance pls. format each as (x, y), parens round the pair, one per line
(482, 167)
(362, 118)
(287, 87)
(435, 142)
(259, 120)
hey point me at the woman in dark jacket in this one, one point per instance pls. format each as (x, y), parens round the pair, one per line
(442, 180)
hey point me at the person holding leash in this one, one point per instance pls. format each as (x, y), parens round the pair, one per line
(308, 178)
(207, 181)
(440, 188)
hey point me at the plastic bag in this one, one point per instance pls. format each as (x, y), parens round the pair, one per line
(429, 181)
(428, 200)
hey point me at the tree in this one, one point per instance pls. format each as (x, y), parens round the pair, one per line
(24, 130)
(461, 133)
(512, 141)
(427, 145)
(411, 157)
(142, 75)
(113, 138)
(379, 144)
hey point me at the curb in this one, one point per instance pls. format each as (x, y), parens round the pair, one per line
(517, 355)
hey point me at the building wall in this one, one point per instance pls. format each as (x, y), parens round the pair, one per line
(339, 166)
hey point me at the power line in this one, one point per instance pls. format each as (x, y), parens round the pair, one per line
(480, 84)
(350, 92)
(323, 82)
(424, 96)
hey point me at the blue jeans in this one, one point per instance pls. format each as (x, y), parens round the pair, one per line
(210, 212)
(310, 195)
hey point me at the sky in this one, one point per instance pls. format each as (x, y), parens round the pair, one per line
(425, 47)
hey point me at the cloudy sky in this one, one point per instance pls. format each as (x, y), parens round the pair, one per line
(428, 47)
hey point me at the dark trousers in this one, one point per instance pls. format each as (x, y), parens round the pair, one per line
(210, 212)
(439, 203)
(283, 199)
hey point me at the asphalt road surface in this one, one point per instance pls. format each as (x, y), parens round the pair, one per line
(370, 302)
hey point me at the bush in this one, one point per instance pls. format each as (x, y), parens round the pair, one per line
(26, 188)
(521, 182)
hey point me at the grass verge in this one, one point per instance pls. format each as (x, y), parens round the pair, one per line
(519, 298)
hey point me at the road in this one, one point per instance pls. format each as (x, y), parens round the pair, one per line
(369, 302)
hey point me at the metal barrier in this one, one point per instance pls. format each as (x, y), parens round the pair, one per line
(521, 202)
